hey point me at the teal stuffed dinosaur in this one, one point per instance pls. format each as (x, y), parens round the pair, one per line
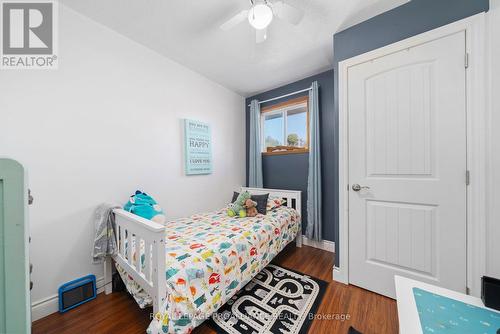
(145, 206)
(238, 207)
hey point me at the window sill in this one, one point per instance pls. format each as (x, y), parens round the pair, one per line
(300, 151)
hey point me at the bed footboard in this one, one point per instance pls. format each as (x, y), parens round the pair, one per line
(132, 231)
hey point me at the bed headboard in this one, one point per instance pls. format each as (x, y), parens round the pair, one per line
(292, 197)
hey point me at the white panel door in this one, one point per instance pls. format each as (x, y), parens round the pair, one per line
(407, 143)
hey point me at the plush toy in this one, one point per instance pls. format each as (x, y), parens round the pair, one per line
(145, 206)
(251, 207)
(238, 207)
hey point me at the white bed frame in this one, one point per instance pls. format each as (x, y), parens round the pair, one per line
(152, 279)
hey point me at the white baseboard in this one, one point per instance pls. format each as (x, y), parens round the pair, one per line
(326, 245)
(44, 307)
(339, 276)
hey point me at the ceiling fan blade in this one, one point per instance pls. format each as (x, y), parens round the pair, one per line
(235, 20)
(288, 12)
(260, 35)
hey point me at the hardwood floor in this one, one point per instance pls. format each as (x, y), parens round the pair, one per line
(118, 313)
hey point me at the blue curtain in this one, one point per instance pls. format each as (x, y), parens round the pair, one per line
(314, 219)
(254, 153)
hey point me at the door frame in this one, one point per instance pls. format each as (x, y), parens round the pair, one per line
(477, 143)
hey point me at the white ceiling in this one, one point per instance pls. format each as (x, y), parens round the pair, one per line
(187, 31)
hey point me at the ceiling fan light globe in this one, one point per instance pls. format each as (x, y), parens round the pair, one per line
(260, 16)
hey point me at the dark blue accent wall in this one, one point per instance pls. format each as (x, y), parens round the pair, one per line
(413, 18)
(408, 20)
(290, 171)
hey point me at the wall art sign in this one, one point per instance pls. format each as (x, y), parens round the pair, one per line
(198, 147)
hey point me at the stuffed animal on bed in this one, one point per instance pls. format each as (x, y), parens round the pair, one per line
(238, 207)
(145, 206)
(251, 207)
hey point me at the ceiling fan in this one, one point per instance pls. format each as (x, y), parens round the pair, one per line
(261, 14)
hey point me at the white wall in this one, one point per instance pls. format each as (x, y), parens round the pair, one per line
(493, 225)
(106, 123)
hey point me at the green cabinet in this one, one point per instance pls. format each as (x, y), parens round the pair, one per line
(15, 309)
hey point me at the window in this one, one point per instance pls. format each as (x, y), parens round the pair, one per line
(285, 127)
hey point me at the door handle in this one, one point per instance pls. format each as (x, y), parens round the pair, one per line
(357, 187)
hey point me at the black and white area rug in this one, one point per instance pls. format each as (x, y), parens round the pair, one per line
(277, 300)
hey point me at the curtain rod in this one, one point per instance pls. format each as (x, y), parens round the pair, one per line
(286, 95)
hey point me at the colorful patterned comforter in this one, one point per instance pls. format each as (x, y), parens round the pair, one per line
(209, 258)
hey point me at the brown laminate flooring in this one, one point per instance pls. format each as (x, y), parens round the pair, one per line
(366, 311)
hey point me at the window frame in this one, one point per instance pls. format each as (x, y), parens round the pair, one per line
(282, 108)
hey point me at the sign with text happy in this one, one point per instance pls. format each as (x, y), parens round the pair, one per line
(198, 146)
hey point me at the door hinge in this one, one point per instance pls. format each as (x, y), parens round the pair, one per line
(467, 60)
(467, 177)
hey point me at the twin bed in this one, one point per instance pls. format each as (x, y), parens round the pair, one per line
(192, 266)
